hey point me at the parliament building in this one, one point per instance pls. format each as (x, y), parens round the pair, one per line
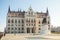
(26, 21)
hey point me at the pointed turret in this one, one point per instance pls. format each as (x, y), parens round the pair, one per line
(18, 10)
(9, 9)
(30, 11)
(47, 11)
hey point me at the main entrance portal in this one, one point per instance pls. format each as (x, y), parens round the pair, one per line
(30, 30)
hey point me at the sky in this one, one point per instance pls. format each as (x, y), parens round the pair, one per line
(37, 5)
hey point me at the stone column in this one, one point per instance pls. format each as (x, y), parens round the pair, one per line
(30, 30)
(25, 29)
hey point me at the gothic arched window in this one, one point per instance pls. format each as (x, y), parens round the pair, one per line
(12, 21)
(29, 13)
(8, 20)
(44, 20)
(15, 21)
(39, 22)
(18, 21)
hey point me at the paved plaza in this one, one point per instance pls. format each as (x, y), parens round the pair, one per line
(31, 37)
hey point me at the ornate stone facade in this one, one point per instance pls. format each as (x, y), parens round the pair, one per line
(26, 22)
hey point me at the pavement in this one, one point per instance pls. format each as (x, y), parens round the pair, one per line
(31, 37)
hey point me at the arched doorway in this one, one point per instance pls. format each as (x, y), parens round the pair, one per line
(33, 30)
(28, 30)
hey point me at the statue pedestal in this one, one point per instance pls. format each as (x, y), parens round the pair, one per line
(44, 29)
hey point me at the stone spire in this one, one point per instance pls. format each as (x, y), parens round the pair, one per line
(18, 9)
(9, 9)
(30, 11)
(47, 11)
(30, 8)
